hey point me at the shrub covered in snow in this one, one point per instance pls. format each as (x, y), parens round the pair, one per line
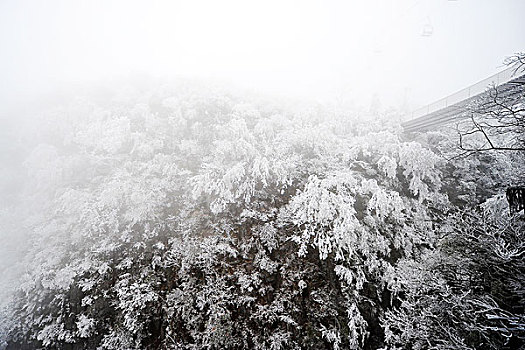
(184, 219)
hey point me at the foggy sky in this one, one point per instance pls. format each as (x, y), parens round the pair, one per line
(308, 48)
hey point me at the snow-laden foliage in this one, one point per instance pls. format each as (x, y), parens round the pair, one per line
(470, 180)
(469, 293)
(195, 219)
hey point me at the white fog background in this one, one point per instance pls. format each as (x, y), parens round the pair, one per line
(318, 50)
(314, 49)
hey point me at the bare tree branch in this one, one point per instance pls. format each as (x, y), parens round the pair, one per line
(497, 120)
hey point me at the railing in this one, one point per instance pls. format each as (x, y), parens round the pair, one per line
(471, 91)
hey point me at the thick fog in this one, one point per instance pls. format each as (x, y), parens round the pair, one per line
(403, 49)
(125, 121)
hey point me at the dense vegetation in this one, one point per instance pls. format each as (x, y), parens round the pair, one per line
(192, 218)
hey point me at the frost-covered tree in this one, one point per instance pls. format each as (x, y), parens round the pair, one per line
(467, 294)
(200, 219)
(496, 121)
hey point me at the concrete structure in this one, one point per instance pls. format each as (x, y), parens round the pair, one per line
(509, 82)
